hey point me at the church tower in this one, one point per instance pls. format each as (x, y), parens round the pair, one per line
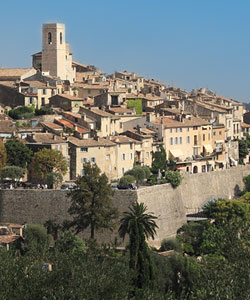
(56, 57)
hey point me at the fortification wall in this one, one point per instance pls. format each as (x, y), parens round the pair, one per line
(168, 204)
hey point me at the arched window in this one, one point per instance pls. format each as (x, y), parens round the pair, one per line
(49, 38)
(60, 37)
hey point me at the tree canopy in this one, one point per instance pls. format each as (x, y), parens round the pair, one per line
(18, 154)
(47, 161)
(159, 160)
(3, 155)
(91, 203)
(139, 225)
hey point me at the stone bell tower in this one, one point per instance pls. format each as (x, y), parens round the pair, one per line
(56, 57)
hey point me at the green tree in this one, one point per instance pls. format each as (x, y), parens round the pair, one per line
(47, 161)
(36, 240)
(246, 181)
(52, 228)
(171, 165)
(54, 179)
(139, 225)
(126, 180)
(12, 172)
(173, 177)
(3, 155)
(18, 154)
(69, 242)
(159, 160)
(243, 150)
(138, 173)
(91, 202)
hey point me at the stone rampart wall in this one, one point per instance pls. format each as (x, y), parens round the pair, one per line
(168, 204)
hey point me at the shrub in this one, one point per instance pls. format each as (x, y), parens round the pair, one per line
(246, 181)
(174, 178)
(21, 112)
(170, 244)
(146, 171)
(138, 173)
(36, 240)
(126, 179)
(43, 111)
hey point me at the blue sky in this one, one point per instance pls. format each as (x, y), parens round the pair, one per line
(186, 43)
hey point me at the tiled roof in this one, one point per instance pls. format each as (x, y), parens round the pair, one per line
(39, 84)
(51, 125)
(75, 115)
(10, 238)
(7, 126)
(92, 86)
(171, 123)
(120, 110)
(69, 97)
(71, 125)
(8, 72)
(102, 113)
(150, 97)
(123, 139)
(45, 138)
(91, 142)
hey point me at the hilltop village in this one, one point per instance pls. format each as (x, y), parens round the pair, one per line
(117, 120)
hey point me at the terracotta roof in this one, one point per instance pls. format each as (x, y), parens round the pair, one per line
(91, 142)
(120, 110)
(71, 125)
(150, 97)
(10, 238)
(171, 123)
(102, 113)
(69, 113)
(12, 225)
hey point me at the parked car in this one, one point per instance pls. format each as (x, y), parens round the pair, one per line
(127, 187)
(67, 186)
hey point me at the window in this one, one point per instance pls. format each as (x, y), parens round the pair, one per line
(123, 171)
(82, 172)
(147, 154)
(180, 140)
(180, 129)
(89, 92)
(214, 133)
(131, 155)
(108, 157)
(43, 101)
(188, 129)
(209, 136)
(195, 128)
(120, 125)
(204, 137)
(84, 160)
(44, 91)
(131, 146)
(123, 156)
(92, 159)
(188, 139)
(219, 132)
(171, 141)
(49, 38)
(176, 141)
(31, 100)
(84, 149)
(170, 130)
(60, 37)
(176, 129)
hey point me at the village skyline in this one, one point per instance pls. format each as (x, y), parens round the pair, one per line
(185, 45)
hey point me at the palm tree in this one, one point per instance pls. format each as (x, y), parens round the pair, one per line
(139, 225)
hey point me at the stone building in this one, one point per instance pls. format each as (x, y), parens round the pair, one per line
(55, 56)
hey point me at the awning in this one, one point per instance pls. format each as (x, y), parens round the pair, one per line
(176, 153)
(208, 148)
